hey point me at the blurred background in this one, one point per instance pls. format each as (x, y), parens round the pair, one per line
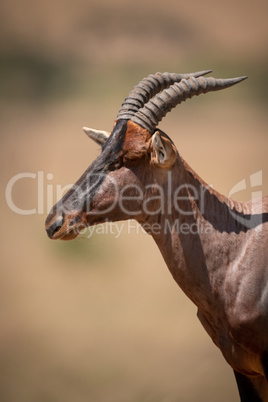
(100, 319)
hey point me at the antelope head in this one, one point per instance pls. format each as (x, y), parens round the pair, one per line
(120, 183)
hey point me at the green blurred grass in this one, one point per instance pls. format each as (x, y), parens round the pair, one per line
(34, 77)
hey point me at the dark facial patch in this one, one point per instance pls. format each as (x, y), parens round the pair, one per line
(83, 191)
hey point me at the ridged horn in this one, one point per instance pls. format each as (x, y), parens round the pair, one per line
(149, 87)
(152, 113)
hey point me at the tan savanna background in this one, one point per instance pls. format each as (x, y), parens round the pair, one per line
(100, 319)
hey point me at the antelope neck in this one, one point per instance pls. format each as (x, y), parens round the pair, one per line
(201, 237)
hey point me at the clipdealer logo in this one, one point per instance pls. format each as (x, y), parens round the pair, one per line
(47, 192)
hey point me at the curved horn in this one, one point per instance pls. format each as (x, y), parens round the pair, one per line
(149, 87)
(152, 113)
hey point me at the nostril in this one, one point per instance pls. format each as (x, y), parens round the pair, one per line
(55, 227)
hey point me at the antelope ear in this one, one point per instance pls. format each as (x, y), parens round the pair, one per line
(99, 136)
(164, 152)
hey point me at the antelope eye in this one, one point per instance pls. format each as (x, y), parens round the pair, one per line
(116, 164)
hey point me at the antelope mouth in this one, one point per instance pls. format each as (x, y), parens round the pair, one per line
(68, 227)
(68, 236)
(72, 232)
(64, 229)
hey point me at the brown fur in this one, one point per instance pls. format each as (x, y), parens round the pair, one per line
(222, 267)
(136, 142)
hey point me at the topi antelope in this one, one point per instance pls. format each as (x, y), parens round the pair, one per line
(215, 248)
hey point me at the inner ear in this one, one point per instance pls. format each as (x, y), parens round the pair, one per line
(164, 151)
